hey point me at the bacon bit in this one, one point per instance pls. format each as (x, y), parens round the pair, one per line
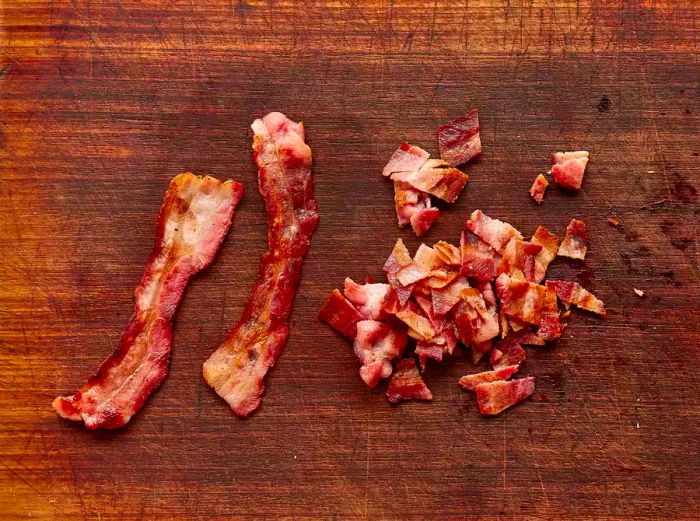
(538, 188)
(568, 168)
(448, 253)
(639, 292)
(547, 254)
(613, 222)
(574, 243)
(426, 350)
(410, 315)
(193, 220)
(459, 139)
(495, 397)
(339, 313)
(436, 178)
(407, 384)
(495, 233)
(503, 323)
(514, 356)
(471, 381)
(516, 325)
(407, 158)
(475, 323)
(550, 328)
(369, 298)
(425, 261)
(398, 259)
(520, 255)
(444, 299)
(376, 345)
(414, 207)
(236, 370)
(478, 258)
(573, 293)
(519, 298)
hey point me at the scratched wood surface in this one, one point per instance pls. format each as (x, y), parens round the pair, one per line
(102, 102)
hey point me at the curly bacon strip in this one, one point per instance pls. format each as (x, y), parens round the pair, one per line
(195, 216)
(236, 370)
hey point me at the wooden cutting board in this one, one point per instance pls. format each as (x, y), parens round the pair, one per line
(102, 102)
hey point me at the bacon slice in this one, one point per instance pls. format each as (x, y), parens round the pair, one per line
(195, 216)
(407, 384)
(435, 177)
(538, 187)
(339, 313)
(495, 397)
(568, 168)
(495, 233)
(547, 254)
(478, 258)
(519, 298)
(459, 140)
(573, 293)
(376, 345)
(414, 207)
(368, 298)
(520, 255)
(471, 381)
(574, 243)
(236, 370)
(406, 158)
(550, 328)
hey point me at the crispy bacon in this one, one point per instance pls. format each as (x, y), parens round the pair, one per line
(425, 350)
(547, 254)
(519, 298)
(407, 158)
(478, 258)
(339, 313)
(495, 233)
(520, 255)
(368, 298)
(444, 299)
(435, 177)
(448, 253)
(514, 356)
(495, 397)
(376, 345)
(422, 266)
(574, 243)
(476, 323)
(410, 314)
(538, 187)
(573, 293)
(471, 381)
(236, 370)
(398, 259)
(459, 140)
(568, 168)
(407, 384)
(414, 207)
(550, 328)
(195, 216)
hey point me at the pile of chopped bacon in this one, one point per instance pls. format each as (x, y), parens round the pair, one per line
(487, 294)
(417, 177)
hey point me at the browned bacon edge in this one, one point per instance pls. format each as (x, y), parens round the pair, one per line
(236, 370)
(195, 216)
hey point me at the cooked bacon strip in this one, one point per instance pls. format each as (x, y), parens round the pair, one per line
(495, 397)
(414, 207)
(568, 168)
(368, 298)
(492, 231)
(573, 293)
(519, 298)
(448, 253)
(459, 140)
(574, 243)
(471, 381)
(550, 328)
(436, 178)
(376, 345)
(339, 313)
(547, 254)
(407, 158)
(520, 255)
(538, 187)
(407, 384)
(195, 216)
(478, 258)
(236, 370)
(398, 259)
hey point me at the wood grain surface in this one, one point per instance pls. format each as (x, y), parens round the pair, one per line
(102, 102)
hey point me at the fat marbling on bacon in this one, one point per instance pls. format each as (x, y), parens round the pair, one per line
(237, 369)
(195, 216)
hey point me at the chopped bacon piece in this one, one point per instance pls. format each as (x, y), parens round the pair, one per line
(573, 293)
(470, 381)
(407, 158)
(516, 324)
(376, 345)
(436, 178)
(369, 298)
(398, 259)
(574, 243)
(495, 233)
(538, 187)
(407, 384)
(475, 322)
(444, 299)
(448, 253)
(520, 255)
(236, 370)
(459, 140)
(519, 298)
(613, 222)
(547, 254)
(414, 207)
(425, 350)
(514, 356)
(424, 262)
(195, 216)
(339, 313)
(550, 328)
(495, 397)
(568, 168)
(410, 315)
(638, 292)
(478, 258)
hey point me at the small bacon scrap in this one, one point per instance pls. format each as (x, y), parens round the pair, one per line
(398, 259)
(448, 253)
(573, 293)
(195, 216)
(237, 369)
(495, 397)
(495, 233)
(638, 292)
(410, 315)
(478, 258)
(407, 384)
(519, 298)
(476, 323)
(339, 313)
(574, 243)
(568, 168)
(547, 254)
(520, 255)
(471, 381)
(435, 177)
(550, 328)
(368, 298)
(444, 299)
(459, 140)
(613, 222)
(414, 207)
(538, 188)
(407, 158)
(376, 345)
